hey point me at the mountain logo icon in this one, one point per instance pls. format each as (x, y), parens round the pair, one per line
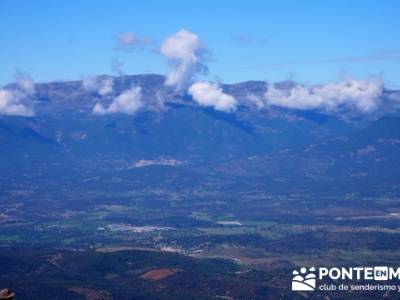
(304, 280)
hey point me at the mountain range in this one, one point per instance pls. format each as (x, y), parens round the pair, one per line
(272, 148)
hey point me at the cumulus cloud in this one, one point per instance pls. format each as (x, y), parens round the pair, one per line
(129, 40)
(15, 101)
(128, 102)
(186, 57)
(11, 104)
(210, 94)
(360, 95)
(255, 101)
(102, 86)
(106, 87)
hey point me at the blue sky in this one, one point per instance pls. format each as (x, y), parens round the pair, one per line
(310, 41)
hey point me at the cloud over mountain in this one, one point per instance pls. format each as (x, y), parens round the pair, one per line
(210, 94)
(11, 104)
(186, 57)
(25, 82)
(128, 102)
(363, 96)
(15, 101)
(102, 86)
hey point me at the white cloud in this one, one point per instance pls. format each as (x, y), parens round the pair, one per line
(131, 40)
(360, 95)
(10, 104)
(106, 87)
(128, 102)
(90, 83)
(95, 84)
(25, 82)
(210, 94)
(186, 56)
(15, 101)
(255, 101)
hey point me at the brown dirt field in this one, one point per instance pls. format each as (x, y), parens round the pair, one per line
(159, 274)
